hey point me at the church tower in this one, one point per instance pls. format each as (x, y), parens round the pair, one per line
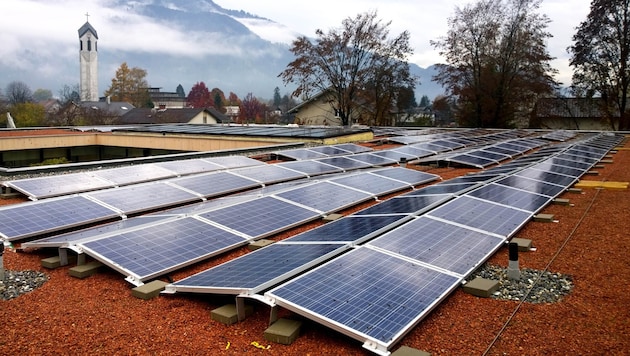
(88, 57)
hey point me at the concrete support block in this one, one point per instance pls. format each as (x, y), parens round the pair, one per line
(56, 261)
(592, 173)
(606, 161)
(332, 217)
(561, 201)
(149, 290)
(228, 314)
(574, 190)
(85, 270)
(283, 331)
(543, 218)
(523, 244)
(408, 351)
(259, 244)
(481, 287)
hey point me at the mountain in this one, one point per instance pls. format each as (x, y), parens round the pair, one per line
(176, 42)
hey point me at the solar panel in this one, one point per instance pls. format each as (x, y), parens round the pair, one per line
(453, 248)
(234, 161)
(467, 159)
(412, 151)
(55, 214)
(405, 205)
(330, 150)
(374, 160)
(368, 295)
(353, 147)
(577, 158)
(344, 163)
(549, 166)
(548, 177)
(57, 185)
(189, 166)
(152, 251)
(143, 197)
(427, 146)
(410, 176)
(215, 184)
(482, 215)
(444, 188)
(261, 217)
(509, 196)
(448, 144)
(394, 155)
(134, 174)
(269, 173)
(374, 184)
(503, 150)
(259, 269)
(569, 163)
(473, 178)
(349, 229)
(486, 153)
(311, 168)
(532, 185)
(325, 197)
(301, 154)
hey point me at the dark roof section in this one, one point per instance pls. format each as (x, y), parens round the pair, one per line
(115, 108)
(584, 108)
(85, 28)
(174, 116)
(258, 131)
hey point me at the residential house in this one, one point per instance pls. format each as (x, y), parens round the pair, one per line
(572, 114)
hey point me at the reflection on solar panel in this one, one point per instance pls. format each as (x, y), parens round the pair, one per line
(134, 174)
(371, 183)
(440, 244)
(410, 176)
(548, 177)
(152, 251)
(143, 197)
(374, 160)
(549, 166)
(483, 215)
(268, 174)
(330, 150)
(509, 196)
(234, 161)
(474, 161)
(354, 148)
(261, 217)
(35, 218)
(427, 146)
(51, 186)
(311, 168)
(190, 166)
(412, 151)
(405, 205)
(368, 295)
(350, 229)
(568, 163)
(215, 184)
(395, 155)
(444, 188)
(259, 269)
(344, 163)
(325, 197)
(531, 185)
(301, 154)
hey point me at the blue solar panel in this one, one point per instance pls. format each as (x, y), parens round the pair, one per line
(410, 176)
(549, 166)
(330, 150)
(35, 218)
(261, 217)
(344, 163)
(577, 158)
(311, 168)
(268, 174)
(158, 249)
(134, 174)
(443, 188)
(547, 177)
(394, 155)
(215, 184)
(51, 186)
(374, 160)
(488, 154)
(368, 293)
(301, 154)
(473, 178)
(483, 215)
(350, 229)
(372, 183)
(325, 197)
(234, 161)
(509, 196)
(474, 161)
(144, 197)
(440, 244)
(405, 205)
(259, 269)
(427, 146)
(569, 163)
(532, 185)
(353, 147)
(189, 166)
(412, 151)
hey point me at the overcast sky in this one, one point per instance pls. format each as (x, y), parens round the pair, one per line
(31, 29)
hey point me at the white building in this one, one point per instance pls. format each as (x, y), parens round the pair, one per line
(88, 56)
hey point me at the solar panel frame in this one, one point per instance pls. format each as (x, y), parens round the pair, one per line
(234, 161)
(531, 185)
(373, 160)
(405, 205)
(395, 155)
(374, 184)
(190, 166)
(510, 196)
(310, 167)
(330, 150)
(444, 188)
(469, 160)
(268, 174)
(548, 177)
(409, 176)
(215, 183)
(58, 185)
(351, 229)
(325, 196)
(133, 174)
(353, 147)
(344, 163)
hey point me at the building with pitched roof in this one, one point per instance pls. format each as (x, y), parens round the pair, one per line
(88, 61)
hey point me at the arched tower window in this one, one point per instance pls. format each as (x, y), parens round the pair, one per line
(80, 45)
(89, 45)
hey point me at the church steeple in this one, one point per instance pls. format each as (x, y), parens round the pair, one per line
(88, 57)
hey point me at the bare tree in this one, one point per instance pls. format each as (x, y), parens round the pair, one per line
(18, 93)
(345, 63)
(601, 56)
(497, 61)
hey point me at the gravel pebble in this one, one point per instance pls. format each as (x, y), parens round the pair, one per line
(534, 286)
(17, 283)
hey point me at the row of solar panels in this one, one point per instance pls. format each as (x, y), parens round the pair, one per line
(377, 292)
(73, 183)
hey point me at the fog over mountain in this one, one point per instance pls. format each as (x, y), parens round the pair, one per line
(176, 42)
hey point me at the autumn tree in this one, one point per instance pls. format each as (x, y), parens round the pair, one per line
(600, 57)
(130, 85)
(199, 96)
(351, 64)
(28, 114)
(251, 109)
(497, 64)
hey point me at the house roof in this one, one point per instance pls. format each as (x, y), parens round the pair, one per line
(175, 116)
(569, 108)
(315, 97)
(85, 28)
(116, 108)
